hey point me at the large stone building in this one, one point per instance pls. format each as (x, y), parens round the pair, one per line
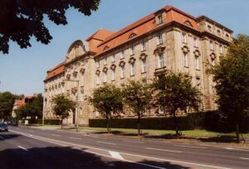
(166, 40)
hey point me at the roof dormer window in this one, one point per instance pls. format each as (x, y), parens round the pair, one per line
(159, 19)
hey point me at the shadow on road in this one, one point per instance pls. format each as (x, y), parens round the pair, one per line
(68, 158)
(6, 136)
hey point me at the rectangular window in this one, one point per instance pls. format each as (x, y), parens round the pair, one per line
(159, 19)
(195, 42)
(221, 49)
(113, 75)
(122, 54)
(160, 60)
(97, 79)
(143, 46)
(132, 50)
(113, 58)
(143, 65)
(105, 77)
(197, 63)
(184, 37)
(211, 45)
(132, 69)
(122, 72)
(159, 39)
(105, 61)
(185, 60)
(97, 64)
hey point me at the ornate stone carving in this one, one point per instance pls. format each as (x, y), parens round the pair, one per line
(113, 67)
(197, 53)
(159, 49)
(121, 63)
(212, 56)
(132, 60)
(143, 56)
(82, 70)
(105, 69)
(185, 49)
(97, 72)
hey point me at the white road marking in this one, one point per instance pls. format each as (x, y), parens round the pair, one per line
(229, 148)
(244, 158)
(75, 138)
(57, 135)
(23, 148)
(116, 155)
(166, 150)
(191, 146)
(102, 142)
(63, 143)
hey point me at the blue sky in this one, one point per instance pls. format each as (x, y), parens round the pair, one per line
(22, 71)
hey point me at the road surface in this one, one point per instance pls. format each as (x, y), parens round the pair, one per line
(28, 148)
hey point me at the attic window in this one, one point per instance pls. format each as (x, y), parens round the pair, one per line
(132, 35)
(188, 23)
(159, 19)
(105, 48)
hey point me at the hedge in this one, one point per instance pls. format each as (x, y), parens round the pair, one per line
(211, 120)
(189, 122)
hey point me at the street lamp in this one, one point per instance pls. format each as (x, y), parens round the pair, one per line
(77, 100)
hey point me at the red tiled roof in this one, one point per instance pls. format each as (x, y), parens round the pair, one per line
(100, 34)
(144, 26)
(57, 70)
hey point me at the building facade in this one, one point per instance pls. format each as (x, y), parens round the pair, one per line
(166, 40)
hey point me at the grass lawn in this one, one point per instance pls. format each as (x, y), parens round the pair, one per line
(187, 133)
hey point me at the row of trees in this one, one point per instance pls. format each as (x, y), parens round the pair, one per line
(31, 109)
(173, 92)
(7, 100)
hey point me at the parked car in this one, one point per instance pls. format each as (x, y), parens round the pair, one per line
(3, 126)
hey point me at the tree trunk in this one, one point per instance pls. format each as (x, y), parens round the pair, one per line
(107, 123)
(176, 123)
(237, 132)
(61, 122)
(138, 125)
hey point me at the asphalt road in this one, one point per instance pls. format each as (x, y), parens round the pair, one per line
(29, 148)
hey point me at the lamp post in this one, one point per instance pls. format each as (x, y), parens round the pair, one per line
(77, 100)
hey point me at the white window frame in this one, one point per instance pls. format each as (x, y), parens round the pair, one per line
(97, 64)
(98, 79)
(143, 46)
(184, 37)
(143, 65)
(132, 69)
(122, 72)
(185, 60)
(160, 60)
(211, 43)
(132, 50)
(160, 39)
(196, 42)
(104, 77)
(113, 74)
(197, 62)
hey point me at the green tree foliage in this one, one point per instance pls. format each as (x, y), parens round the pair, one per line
(138, 97)
(62, 106)
(6, 104)
(107, 100)
(32, 109)
(174, 92)
(22, 19)
(232, 82)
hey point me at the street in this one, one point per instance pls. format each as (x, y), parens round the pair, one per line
(28, 148)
